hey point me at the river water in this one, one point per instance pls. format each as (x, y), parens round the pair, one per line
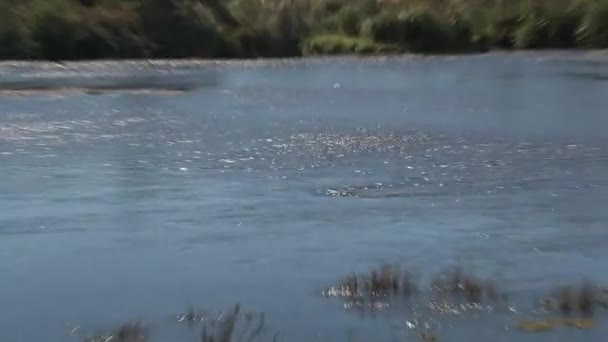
(134, 190)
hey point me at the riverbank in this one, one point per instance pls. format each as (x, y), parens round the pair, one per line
(588, 55)
(134, 29)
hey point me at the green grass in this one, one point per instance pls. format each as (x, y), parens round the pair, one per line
(334, 44)
(88, 29)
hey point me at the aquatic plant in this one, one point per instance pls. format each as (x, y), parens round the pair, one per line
(126, 332)
(580, 299)
(233, 326)
(457, 283)
(384, 281)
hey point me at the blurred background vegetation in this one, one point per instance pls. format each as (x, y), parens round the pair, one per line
(90, 29)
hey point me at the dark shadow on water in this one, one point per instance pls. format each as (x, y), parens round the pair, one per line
(587, 76)
(101, 84)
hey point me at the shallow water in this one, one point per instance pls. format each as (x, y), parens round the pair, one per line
(135, 190)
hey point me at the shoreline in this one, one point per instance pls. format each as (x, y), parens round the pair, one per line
(599, 55)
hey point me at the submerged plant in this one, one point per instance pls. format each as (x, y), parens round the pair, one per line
(127, 332)
(458, 283)
(227, 329)
(384, 281)
(581, 299)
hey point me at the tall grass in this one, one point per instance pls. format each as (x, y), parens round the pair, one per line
(15, 42)
(83, 29)
(593, 29)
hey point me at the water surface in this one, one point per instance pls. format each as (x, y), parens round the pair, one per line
(133, 190)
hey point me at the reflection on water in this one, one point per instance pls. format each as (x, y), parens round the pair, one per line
(263, 182)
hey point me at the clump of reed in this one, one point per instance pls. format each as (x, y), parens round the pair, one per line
(460, 284)
(580, 299)
(452, 292)
(384, 281)
(232, 326)
(126, 332)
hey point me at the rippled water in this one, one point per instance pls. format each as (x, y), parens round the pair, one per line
(135, 190)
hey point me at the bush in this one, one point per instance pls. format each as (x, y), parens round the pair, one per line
(286, 29)
(262, 43)
(14, 38)
(348, 21)
(83, 29)
(548, 29)
(179, 29)
(463, 37)
(344, 45)
(65, 30)
(110, 33)
(593, 29)
(55, 28)
(421, 31)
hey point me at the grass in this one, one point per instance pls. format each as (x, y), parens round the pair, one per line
(126, 332)
(334, 44)
(385, 281)
(580, 299)
(457, 283)
(87, 29)
(225, 329)
(390, 281)
(451, 290)
(233, 326)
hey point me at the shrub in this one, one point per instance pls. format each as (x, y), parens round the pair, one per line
(55, 26)
(287, 28)
(261, 43)
(82, 29)
(593, 29)
(14, 38)
(180, 29)
(348, 21)
(110, 32)
(421, 31)
(341, 45)
(548, 28)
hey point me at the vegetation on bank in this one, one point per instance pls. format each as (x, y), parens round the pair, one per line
(88, 29)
